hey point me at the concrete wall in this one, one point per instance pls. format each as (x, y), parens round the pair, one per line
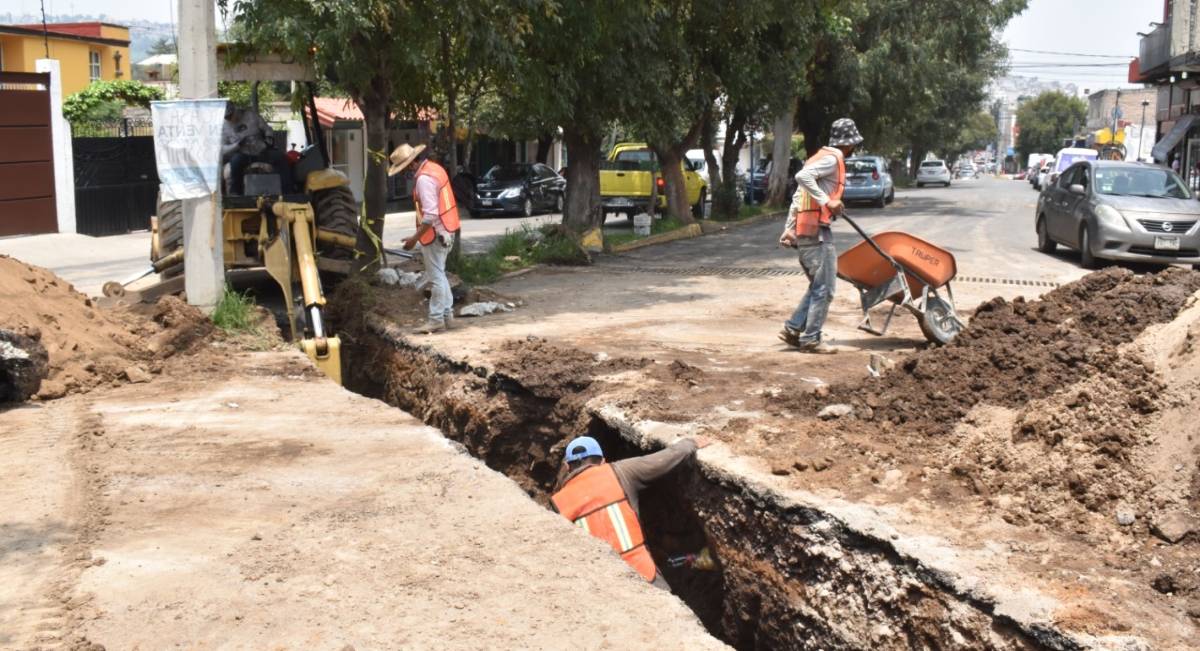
(21, 53)
(1100, 106)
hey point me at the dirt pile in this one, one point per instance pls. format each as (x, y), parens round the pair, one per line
(87, 346)
(1015, 352)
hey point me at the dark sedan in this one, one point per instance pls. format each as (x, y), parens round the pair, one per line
(519, 188)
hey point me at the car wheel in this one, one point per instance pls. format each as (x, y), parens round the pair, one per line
(891, 195)
(558, 204)
(1045, 244)
(947, 184)
(920, 185)
(881, 201)
(1086, 259)
(527, 207)
(698, 209)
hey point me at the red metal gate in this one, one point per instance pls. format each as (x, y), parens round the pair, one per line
(26, 155)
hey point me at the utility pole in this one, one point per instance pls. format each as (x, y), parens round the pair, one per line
(203, 254)
(1142, 130)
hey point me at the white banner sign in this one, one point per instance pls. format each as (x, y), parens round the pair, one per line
(187, 146)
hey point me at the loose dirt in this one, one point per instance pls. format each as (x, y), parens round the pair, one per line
(1059, 435)
(87, 346)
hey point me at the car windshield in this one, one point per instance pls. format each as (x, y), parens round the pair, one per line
(860, 166)
(507, 173)
(1141, 182)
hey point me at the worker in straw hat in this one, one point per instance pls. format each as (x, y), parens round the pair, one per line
(437, 222)
(817, 202)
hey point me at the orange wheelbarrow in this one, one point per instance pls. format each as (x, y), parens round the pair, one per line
(908, 272)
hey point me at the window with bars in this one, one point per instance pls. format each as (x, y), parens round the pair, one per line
(94, 65)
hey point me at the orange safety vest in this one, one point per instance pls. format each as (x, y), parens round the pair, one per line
(810, 215)
(447, 206)
(596, 503)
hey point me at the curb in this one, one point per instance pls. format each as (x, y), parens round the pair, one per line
(698, 229)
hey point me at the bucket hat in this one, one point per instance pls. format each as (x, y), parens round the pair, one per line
(402, 156)
(844, 133)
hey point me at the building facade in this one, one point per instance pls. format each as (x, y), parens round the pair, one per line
(86, 52)
(1169, 61)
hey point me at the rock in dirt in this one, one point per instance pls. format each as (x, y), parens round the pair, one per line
(482, 309)
(23, 366)
(839, 410)
(1173, 526)
(137, 375)
(1125, 517)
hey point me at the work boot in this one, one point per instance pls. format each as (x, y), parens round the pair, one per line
(448, 320)
(790, 337)
(429, 327)
(817, 348)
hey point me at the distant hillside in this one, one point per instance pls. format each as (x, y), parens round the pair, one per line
(142, 33)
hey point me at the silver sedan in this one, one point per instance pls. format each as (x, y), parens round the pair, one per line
(1114, 210)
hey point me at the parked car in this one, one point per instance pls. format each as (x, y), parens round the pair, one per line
(627, 175)
(1039, 179)
(1065, 158)
(695, 157)
(760, 179)
(933, 171)
(519, 188)
(1115, 210)
(867, 179)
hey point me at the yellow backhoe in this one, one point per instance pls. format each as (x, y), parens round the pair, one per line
(294, 223)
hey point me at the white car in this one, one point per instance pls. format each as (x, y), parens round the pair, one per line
(933, 171)
(1042, 175)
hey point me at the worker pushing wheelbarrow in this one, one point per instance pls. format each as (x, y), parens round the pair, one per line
(906, 271)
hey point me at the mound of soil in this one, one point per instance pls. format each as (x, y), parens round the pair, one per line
(87, 346)
(1015, 352)
(551, 371)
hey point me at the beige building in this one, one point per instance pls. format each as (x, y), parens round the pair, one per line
(1128, 100)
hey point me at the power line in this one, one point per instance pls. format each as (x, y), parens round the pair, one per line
(1074, 54)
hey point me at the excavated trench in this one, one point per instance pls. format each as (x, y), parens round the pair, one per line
(787, 578)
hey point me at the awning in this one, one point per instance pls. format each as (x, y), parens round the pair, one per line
(1173, 137)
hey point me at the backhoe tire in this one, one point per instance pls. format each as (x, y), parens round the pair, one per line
(170, 228)
(337, 211)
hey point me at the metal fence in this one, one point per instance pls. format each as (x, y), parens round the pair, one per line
(120, 128)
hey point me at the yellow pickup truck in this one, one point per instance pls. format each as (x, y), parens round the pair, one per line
(626, 176)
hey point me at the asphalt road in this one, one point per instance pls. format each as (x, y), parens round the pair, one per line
(987, 223)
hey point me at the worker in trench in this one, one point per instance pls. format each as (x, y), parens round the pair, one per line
(437, 222)
(817, 202)
(602, 498)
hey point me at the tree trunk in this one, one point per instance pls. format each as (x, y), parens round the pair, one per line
(726, 199)
(545, 141)
(375, 195)
(670, 159)
(918, 155)
(582, 211)
(451, 89)
(781, 156)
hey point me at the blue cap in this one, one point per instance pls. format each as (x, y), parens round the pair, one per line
(582, 448)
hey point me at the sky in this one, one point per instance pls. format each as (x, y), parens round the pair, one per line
(1101, 27)
(1097, 27)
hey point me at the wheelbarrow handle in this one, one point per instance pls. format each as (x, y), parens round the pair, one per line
(869, 240)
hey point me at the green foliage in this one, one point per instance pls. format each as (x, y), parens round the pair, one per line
(657, 226)
(977, 132)
(1046, 121)
(96, 102)
(518, 249)
(242, 93)
(162, 45)
(234, 312)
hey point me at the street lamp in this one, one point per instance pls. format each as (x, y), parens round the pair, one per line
(1142, 130)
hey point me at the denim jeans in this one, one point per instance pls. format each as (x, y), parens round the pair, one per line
(819, 261)
(441, 301)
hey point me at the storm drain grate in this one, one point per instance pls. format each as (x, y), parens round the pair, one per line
(763, 272)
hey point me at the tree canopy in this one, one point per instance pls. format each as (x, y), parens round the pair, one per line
(105, 99)
(1046, 120)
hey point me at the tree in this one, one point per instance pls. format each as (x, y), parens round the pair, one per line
(105, 100)
(366, 49)
(584, 70)
(1046, 121)
(162, 45)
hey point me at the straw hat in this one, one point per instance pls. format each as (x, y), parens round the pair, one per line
(402, 156)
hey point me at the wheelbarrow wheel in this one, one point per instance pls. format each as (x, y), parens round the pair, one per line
(939, 323)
